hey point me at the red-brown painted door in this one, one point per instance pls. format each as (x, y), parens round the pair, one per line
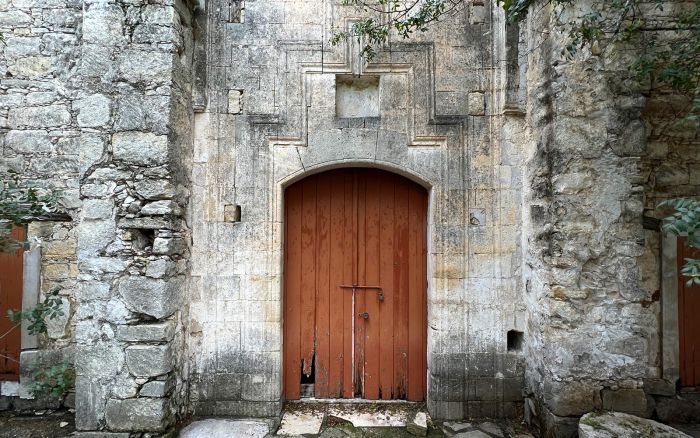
(355, 286)
(11, 275)
(689, 322)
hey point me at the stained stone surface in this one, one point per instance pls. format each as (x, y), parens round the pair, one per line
(617, 424)
(225, 429)
(152, 117)
(301, 421)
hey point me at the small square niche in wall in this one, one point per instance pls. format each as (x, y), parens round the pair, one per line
(356, 96)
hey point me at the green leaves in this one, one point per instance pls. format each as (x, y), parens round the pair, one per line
(36, 316)
(20, 202)
(56, 380)
(685, 221)
(405, 18)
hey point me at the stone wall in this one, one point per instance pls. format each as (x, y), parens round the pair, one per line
(539, 172)
(135, 68)
(597, 159)
(40, 142)
(271, 120)
(97, 101)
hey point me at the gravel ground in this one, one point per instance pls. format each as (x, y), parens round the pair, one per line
(47, 425)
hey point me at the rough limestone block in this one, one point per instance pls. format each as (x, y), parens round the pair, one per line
(566, 399)
(157, 298)
(93, 111)
(145, 67)
(157, 388)
(100, 435)
(102, 23)
(9, 389)
(149, 360)
(476, 103)
(93, 236)
(225, 428)
(39, 117)
(160, 268)
(140, 148)
(168, 246)
(137, 414)
(235, 101)
(477, 14)
(632, 401)
(161, 208)
(29, 141)
(98, 361)
(161, 332)
(97, 208)
(149, 223)
(90, 399)
(616, 424)
(418, 425)
(155, 189)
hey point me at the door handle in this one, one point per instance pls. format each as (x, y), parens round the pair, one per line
(364, 315)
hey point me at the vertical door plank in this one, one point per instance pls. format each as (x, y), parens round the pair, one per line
(689, 323)
(323, 207)
(337, 267)
(402, 289)
(424, 289)
(11, 282)
(361, 278)
(349, 278)
(308, 272)
(292, 293)
(372, 256)
(386, 281)
(415, 295)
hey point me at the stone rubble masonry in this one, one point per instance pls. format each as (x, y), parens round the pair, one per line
(597, 162)
(172, 307)
(96, 101)
(38, 134)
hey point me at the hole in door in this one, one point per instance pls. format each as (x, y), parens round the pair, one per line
(308, 380)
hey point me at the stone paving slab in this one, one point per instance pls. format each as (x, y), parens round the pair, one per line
(359, 417)
(214, 428)
(296, 421)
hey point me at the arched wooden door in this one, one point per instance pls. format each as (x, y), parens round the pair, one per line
(355, 279)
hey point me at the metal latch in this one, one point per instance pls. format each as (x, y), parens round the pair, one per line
(380, 291)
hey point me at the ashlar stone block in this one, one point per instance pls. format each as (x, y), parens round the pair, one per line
(136, 414)
(141, 148)
(161, 332)
(155, 189)
(156, 388)
(154, 297)
(476, 104)
(93, 111)
(235, 101)
(148, 360)
(161, 208)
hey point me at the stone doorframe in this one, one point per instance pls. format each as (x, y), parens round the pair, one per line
(670, 349)
(290, 179)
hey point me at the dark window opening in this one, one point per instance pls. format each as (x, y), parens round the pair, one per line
(141, 239)
(515, 340)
